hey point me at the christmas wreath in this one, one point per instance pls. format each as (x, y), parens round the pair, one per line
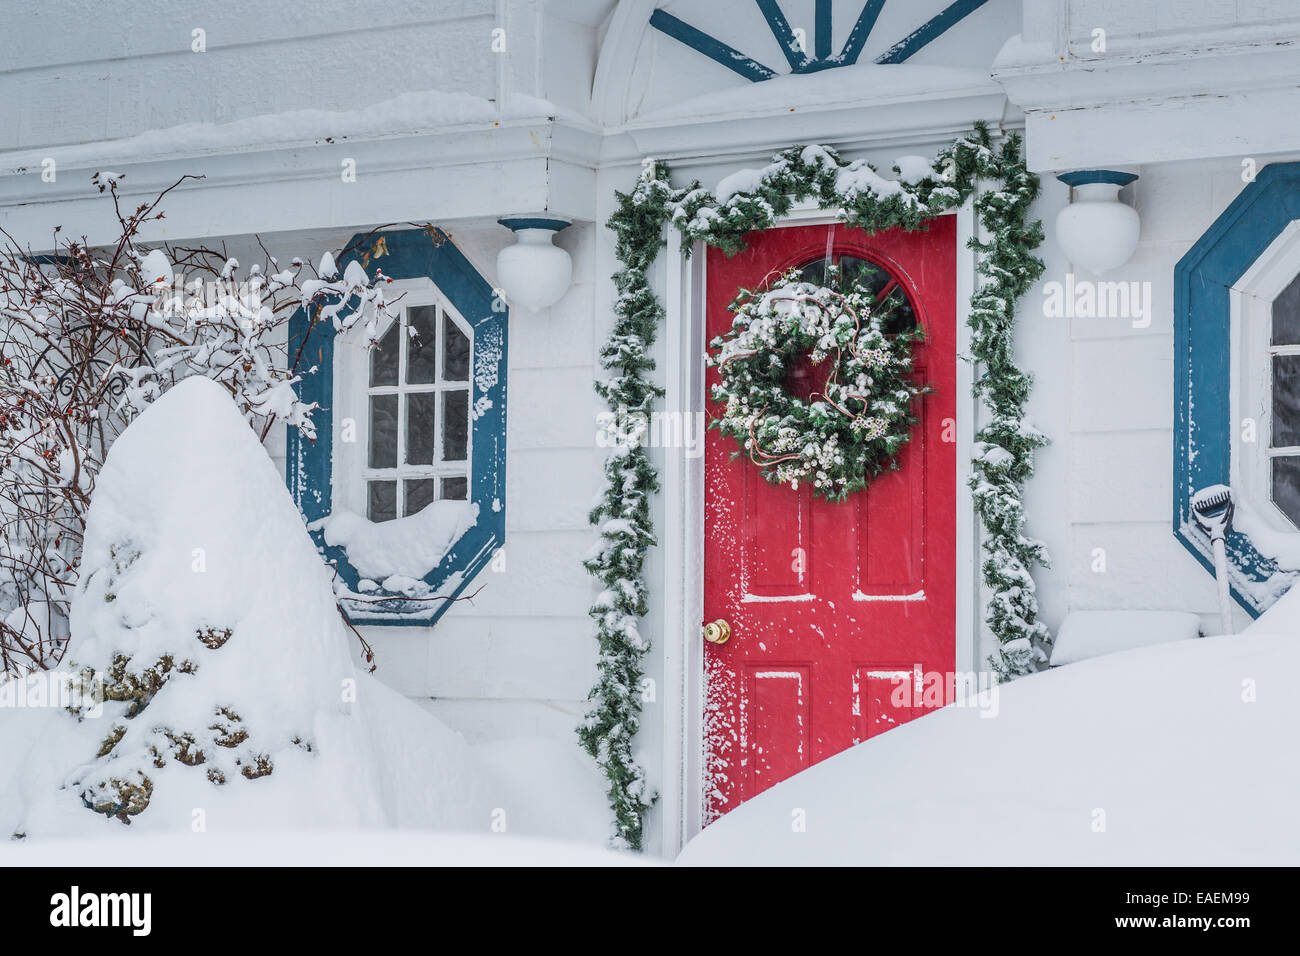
(854, 358)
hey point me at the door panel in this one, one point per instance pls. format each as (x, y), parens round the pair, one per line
(890, 563)
(778, 540)
(832, 606)
(779, 717)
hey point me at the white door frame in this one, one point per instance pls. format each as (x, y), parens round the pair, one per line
(681, 799)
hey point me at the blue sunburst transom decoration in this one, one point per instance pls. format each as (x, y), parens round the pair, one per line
(822, 58)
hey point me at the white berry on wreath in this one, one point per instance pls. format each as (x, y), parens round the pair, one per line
(859, 415)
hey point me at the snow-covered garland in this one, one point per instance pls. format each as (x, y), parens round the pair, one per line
(851, 428)
(755, 199)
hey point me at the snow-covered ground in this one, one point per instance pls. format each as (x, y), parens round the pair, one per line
(323, 848)
(1178, 754)
(260, 742)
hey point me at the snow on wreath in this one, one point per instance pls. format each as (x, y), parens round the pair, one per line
(818, 384)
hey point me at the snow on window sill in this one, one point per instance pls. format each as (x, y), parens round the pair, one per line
(1263, 591)
(1281, 546)
(399, 553)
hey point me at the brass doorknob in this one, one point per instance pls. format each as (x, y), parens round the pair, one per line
(717, 632)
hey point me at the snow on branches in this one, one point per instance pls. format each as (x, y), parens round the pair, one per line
(89, 336)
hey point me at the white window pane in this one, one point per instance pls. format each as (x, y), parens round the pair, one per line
(455, 352)
(455, 425)
(1286, 486)
(1286, 315)
(421, 433)
(383, 431)
(419, 493)
(422, 345)
(455, 489)
(382, 500)
(384, 357)
(1286, 400)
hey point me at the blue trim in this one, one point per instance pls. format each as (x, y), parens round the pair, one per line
(930, 31)
(1202, 350)
(1085, 177)
(866, 22)
(536, 222)
(715, 50)
(799, 60)
(823, 26)
(410, 253)
(785, 38)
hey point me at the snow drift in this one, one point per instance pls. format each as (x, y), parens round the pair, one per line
(341, 848)
(207, 617)
(1178, 754)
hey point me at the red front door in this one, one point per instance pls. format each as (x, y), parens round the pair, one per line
(831, 606)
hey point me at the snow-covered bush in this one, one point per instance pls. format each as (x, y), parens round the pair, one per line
(91, 335)
(207, 618)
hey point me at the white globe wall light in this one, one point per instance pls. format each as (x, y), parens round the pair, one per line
(533, 272)
(1097, 231)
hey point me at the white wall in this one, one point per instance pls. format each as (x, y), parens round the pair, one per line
(526, 639)
(1104, 393)
(1182, 91)
(520, 658)
(1164, 23)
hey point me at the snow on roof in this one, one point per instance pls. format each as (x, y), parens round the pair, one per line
(429, 110)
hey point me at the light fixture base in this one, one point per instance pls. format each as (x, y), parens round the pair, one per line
(1086, 177)
(515, 223)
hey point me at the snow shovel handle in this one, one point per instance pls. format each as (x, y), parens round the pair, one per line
(1221, 577)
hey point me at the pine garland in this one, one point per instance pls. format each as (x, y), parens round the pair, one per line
(623, 515)
(1006, 444)
(1004, 459)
